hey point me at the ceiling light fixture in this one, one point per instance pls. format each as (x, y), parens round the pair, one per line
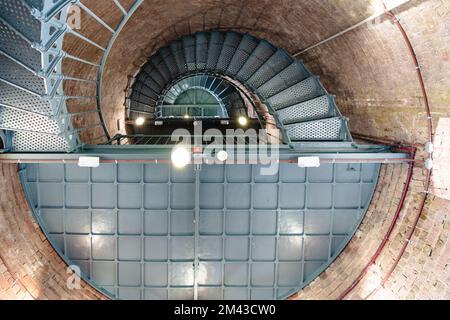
(242, 121)
(181, 156)
(140, 121)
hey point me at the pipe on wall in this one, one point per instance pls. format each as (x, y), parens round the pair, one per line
(427, 182)
(387, 237)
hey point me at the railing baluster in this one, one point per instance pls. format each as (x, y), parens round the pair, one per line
(76, 79)
(93, 15)
(79, 35)
(120, 7)
(69, 56)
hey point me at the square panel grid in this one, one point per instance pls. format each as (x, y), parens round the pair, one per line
(147, 231)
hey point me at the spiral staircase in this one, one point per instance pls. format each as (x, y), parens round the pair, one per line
(303, 109)
(32, 102)
(137, 227)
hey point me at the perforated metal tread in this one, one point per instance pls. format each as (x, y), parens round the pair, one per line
(178, 52)
(201, 47)
(331, 129)
(11, 119)
(151, 71)
(148, 82)
(12, 96)
(138, 106)
(275, 64)
(318, 108)
(38, 142)
(300, 92)
(214, 49)
(169, 61)
(189, 52)
(286, 78)
(142, 231)
(18, 15)
(145, 89)
(230, 45)
(262, 52)
(142, 99)
(15, 46)
(245, 49)
(160, 67)
(18, 75)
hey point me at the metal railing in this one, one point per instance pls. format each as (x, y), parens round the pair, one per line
(54, 27)
(205, 139)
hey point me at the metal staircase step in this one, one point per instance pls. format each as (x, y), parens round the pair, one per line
(160, 67)
(15, 46)
(139, 106)
(291, 75)
(331, 129)
(38, 142)
(276, 63)
(214, 49)
(230, 45)
(201, 47)
(315, 109)
(18, 75)
(178, 52)
(170, 62)
(259, 56)
(143, 88)
(244, 50)
(11, 119)
(142, 98)
(154, 74)
(16, 98)
(307, 89)
(149, 82)
(189, 52)
(37, 4)
(18, 15)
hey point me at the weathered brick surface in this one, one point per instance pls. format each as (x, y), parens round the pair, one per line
(372, 74)
(370, 71)
(423, 270)
(29, 267)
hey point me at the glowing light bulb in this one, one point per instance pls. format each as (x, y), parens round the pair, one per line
(242, 121)
(140, 121)
(186, 116)
(180, 157)
(222, 155)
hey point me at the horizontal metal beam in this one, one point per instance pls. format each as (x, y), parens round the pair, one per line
(140, 153)
(367, 20)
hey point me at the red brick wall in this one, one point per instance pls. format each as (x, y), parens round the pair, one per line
(423, 271)
(376, 86)
(29, 267)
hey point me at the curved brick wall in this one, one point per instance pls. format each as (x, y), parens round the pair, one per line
(29, 267)
(371, 73)
(423, 272)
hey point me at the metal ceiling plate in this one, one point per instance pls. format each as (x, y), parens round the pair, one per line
(149, 231)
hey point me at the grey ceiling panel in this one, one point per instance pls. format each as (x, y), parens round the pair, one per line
(148, 231)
